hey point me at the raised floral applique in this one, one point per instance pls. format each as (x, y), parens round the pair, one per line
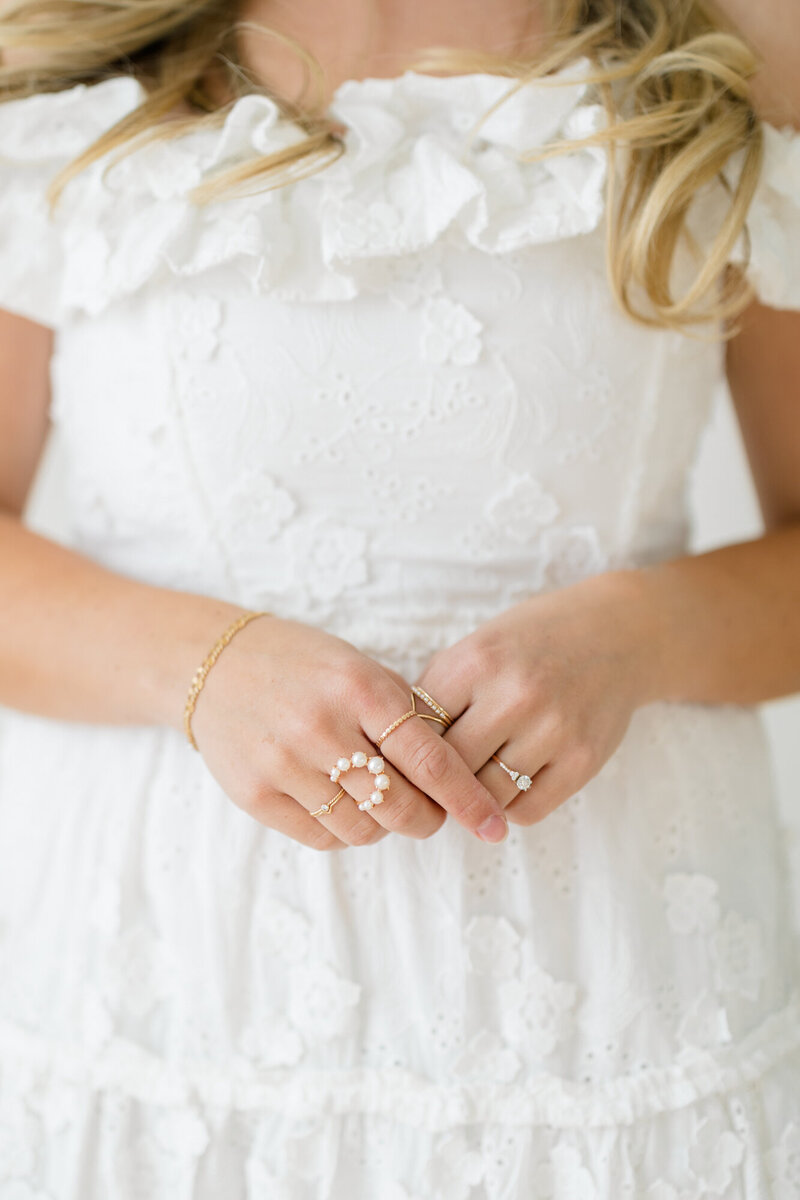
(456, 1167)
(715, 1154)
(486, 1056)
(492, 946)
(450, 333)
(783, 1161)
(272, 1041)
(329, 558)
(139, 971)
(704, 1022)
(692, 904)
(182, 1132)
(282, 930)
(255, 509)
(572, 553)
(321, 1002)
(537, 1012)
(563, 1175)
(738, 949)
(369, 227)
(262, 1182)
(521, 508)
(197, 320)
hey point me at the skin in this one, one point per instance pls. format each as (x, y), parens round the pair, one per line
(550, 683)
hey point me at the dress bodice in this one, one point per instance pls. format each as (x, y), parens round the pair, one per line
(394, 395)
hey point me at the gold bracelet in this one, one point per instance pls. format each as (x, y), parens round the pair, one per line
(199, 677)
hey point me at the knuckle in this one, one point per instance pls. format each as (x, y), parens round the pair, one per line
(519, 691)
(310, 726)
(483, 655)
(403, 812)
(582, 762)
(430, 761)
(256, 801)
(365, 834)
(360, 683)
(282, 759)
(434, 828)
(557, 724)
(527, 814)
(323, 839)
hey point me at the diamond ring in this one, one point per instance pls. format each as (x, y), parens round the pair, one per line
(523, 782)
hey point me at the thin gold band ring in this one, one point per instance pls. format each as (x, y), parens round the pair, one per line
(326, 808)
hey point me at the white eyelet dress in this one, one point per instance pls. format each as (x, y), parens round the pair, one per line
(389, 400)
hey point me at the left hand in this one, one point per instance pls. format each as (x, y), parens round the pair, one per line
(550, 685)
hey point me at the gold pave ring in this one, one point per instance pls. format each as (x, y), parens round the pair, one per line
(326, 808)
(445, 719)
(412, 712)
(431, 703)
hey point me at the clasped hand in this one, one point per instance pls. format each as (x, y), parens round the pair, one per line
(549, 686)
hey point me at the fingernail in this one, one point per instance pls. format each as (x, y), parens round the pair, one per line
(495, 829)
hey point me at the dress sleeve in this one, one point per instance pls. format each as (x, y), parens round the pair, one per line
(30, 254)
(773, 222)
(39, 135)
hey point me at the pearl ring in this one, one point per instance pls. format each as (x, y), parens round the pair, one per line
(374, 765)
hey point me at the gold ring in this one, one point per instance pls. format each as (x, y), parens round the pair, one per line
(523, 782)
(375, 765)
(431, 703)
(445, 720)
(326, 808)
(412, 712)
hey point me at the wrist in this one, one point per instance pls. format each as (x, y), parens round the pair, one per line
(632, 615)
(193, 624)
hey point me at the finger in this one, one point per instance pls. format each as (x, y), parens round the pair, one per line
(431, 764)
(502, 784)
(550, 786)
(475, 736)
(314, 789)
(398, 806)
(392, 804)
(282, 813)
(451, 693)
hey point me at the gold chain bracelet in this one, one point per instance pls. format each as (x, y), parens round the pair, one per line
(199, 677)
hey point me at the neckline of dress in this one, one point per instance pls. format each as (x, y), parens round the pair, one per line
(410, 73)
(383, 89)
(572, 72)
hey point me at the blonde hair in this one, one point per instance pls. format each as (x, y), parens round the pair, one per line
(673, 80)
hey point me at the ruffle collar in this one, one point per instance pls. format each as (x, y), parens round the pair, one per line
(406, 180)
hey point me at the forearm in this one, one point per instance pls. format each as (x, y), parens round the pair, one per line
(80, 642)
(720, 627)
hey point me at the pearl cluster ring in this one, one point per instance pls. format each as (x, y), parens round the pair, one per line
(375, 766)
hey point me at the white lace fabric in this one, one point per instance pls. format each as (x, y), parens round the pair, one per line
(391, 400)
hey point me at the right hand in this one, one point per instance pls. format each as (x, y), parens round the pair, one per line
(285, 700)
